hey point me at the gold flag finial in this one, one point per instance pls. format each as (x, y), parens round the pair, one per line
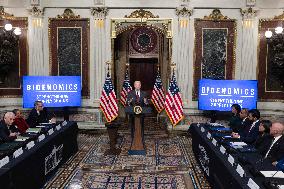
(108, 65)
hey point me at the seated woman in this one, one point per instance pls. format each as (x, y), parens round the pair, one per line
(19, 121)
(263, 141)
(235, 121)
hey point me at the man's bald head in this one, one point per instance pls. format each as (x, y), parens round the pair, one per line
(9, 118)
(276, 129)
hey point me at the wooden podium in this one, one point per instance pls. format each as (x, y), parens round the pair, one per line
(137, 113)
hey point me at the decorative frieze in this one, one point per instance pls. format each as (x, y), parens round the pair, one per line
(99, 12)
(183, 12)
(36, 11)
(68, 14)
(249, 13)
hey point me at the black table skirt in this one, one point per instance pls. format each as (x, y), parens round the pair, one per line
(215, 165)
(28, 170)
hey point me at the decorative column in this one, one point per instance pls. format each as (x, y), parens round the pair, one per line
(36, 54)
(248, 64)
(184, 54)
(100, 48)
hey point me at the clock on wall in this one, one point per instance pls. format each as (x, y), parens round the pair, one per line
(143, 40)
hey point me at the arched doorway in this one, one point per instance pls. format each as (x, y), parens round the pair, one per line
(142, 45)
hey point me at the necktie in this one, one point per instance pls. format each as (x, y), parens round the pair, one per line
(137, 96)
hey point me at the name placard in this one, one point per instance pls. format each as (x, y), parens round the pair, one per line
(222, 149)
(4, 161)
(209, 135)
(58, 127)
(214, 142)
(18, 152)
(240, 170)
(251, 184)
(30, 145)
(64, 123)
(41, 137)
(50, 131)
(231, 159)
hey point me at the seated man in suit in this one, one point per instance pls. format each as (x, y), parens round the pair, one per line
(137, 97)
(8, 132)
(245, 120)
(39, 115)
(251, 133)
(276, 149)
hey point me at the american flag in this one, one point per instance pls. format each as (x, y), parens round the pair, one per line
(158, 96)
(125, 89)
(174, 107)
(108, 101)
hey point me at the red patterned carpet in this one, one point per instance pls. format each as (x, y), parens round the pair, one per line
(169, 163)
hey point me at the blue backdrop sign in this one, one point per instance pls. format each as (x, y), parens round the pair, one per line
(221, 94)
(53, 91)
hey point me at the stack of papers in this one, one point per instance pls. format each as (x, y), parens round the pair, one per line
(21, 138)
(33, 130)
(227, 136)
(274, 174)
(215, 124)
(238, 143)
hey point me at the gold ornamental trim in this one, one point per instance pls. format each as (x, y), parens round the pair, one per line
(280, 17)
(137, 109)
(4, 15)
(216, 15)
(68, 14)
(141, 13)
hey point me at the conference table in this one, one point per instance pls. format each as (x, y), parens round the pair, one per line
(32, 164)
(226, 167)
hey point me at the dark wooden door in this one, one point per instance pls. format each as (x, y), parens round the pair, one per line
(144, 70)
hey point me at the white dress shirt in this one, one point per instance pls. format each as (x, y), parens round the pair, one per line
(137, 93)
(252, 125)
(274, 141)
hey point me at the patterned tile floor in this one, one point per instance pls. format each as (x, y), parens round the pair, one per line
(169, 163)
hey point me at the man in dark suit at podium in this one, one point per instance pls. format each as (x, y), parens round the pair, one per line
(137, 97)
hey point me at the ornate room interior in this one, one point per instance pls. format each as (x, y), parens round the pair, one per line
(194, 39)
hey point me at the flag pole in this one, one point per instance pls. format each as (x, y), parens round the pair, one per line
(108, 66)
(127, 72)
(173, 66)
(158, 114)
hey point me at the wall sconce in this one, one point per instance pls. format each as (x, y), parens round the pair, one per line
(275, 42)
(278, 30)
(9, 46)
(9, 27)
